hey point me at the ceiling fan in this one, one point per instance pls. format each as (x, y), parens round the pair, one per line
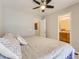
(43, 4)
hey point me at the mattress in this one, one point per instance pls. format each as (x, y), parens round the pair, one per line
(44, 48)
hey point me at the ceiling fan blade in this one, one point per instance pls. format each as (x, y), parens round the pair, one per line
(36, 2)
(42, 1)
(47, 1)
(49, 6)
(36, 7)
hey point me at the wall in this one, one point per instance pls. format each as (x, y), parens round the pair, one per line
(52, 28)
(65, 22)
(43, 27)
(52, 24)
(18, 22)
(1, 26)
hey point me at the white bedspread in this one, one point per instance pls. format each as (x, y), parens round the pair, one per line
(10, 48)
(44, 48)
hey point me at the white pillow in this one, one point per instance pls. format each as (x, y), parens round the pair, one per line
(9, 35)
(18, 38)
(21, 40)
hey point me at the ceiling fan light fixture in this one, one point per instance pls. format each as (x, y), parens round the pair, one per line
(43, 7)
(43, 4)
(43, 10)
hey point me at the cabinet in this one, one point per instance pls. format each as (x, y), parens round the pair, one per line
(64, 36)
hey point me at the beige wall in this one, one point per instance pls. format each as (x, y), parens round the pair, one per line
(64, 22)
(18, 22)
(52, 24)
(1, 26)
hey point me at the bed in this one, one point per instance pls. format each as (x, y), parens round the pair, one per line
(44, 48)
(10, 47)
(35, 48)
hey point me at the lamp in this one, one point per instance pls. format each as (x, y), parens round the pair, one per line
(43, 8)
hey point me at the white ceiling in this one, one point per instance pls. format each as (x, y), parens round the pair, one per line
(27, 5)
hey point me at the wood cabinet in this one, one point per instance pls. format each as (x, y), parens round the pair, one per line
(64, 36)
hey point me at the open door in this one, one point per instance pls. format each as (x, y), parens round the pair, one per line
(64, 27)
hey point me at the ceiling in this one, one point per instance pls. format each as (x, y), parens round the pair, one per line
(27, 5)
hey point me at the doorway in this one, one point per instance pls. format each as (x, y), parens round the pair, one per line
(64, 27)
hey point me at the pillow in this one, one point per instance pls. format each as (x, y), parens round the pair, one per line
(17, 37)
(21, 40)
(9, 35)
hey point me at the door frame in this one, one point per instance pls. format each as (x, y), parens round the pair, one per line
(67, 14)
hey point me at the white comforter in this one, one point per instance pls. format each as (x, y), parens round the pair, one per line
(10, 48)
(37, 48)
(43, 48)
